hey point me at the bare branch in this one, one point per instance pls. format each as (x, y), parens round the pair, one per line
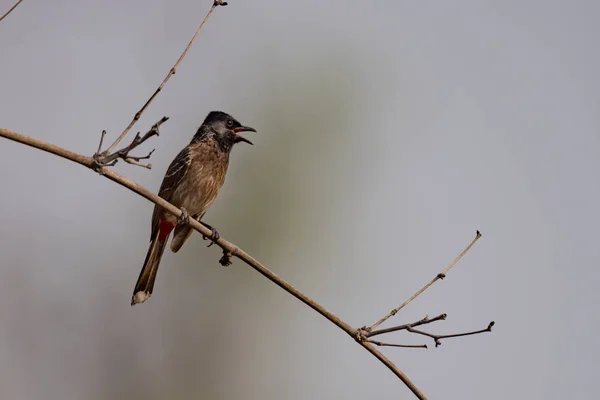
(172, 71)
(410, 346)
(10, 10)
(229, 249)
(441, 275)
(437, 338)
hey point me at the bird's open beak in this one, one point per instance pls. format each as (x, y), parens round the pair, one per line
(243, 129)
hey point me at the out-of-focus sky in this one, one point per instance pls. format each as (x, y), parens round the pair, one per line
(389, 132)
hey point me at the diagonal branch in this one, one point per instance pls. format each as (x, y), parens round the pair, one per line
(441, 275)
(172, 71)
(227, 246)
(10, 10)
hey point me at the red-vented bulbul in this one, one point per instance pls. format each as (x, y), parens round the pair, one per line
(192, 183)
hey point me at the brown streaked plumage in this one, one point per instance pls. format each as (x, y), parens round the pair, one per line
(192, 183)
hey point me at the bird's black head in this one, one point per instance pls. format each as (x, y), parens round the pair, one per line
(222, 128)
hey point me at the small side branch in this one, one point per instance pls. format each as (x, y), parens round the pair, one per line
(172, 71)
(124, 153)
(410, 346)
(10, 10)
(437, 338)
(101, 142)
(404, 327)
(439, 276)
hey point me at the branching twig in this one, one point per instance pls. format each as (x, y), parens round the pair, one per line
(404, 327)
(410, 328)
(123, 153)
(229, 248)
(10, 10)
(135, 160)
(437, 338)
(172, 71)
(441, 275)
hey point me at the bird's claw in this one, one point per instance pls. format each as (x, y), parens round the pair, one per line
(184, 217)
(226, 259)
(214, 236)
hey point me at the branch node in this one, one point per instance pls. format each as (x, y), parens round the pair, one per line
(97, 167)
(362, 334)
(441, 275)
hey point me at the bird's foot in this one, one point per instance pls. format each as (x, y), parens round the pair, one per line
(214, 236)
(226, 259)
(184, 217)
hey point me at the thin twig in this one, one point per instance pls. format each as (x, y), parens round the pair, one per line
(138, 158)
(438, 338)
(441, 275)
(100, 144)
(130, 160)
(410, 346)
(10, 10)
(172, 71)
(404, 327)
(227, 246)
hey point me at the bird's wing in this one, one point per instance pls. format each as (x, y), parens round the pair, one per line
(175, 174)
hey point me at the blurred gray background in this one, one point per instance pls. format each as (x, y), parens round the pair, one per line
(389, 132)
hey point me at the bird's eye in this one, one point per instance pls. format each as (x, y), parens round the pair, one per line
(229, 123)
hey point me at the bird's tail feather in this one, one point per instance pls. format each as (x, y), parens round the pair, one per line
(145, 282)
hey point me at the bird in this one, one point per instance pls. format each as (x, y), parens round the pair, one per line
(191, 183)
